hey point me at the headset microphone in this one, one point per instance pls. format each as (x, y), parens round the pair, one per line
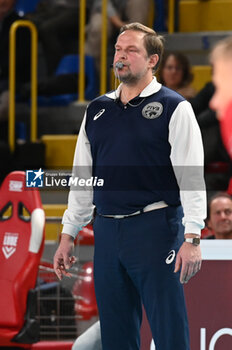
(119, 65)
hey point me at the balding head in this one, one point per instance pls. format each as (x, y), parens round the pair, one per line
(220, 216)
(221, 59)
(222, 50)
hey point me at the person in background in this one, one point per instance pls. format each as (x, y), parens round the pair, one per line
(214, 150)
(57, 22)
(143, 144)
(175, 73)
(219, 219)
(118, 13)
(91, 339)
(52, 86)
(221, 102)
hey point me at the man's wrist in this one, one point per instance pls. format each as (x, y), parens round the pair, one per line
(191, 235)
(67, 237)
(192, 239)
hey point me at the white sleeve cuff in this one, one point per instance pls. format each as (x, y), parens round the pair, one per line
(191, 227)
(71, 230)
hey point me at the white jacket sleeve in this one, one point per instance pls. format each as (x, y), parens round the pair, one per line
(80, 200)
(187, 159)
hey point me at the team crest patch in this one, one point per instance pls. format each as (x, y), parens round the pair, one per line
(152, 110)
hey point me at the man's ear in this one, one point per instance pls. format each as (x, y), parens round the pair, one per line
(153, 60)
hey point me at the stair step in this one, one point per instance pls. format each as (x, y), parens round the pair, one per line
(196, 46)
(53, 226)
(59, 151)
(211, 15)
(54, 210)
(202, 75)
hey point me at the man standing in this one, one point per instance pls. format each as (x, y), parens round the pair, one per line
(144, 142)
(220, 216)
(221, 102)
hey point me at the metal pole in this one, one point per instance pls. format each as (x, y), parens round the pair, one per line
(81, 82)
(171, 15)
(12, 76)
(103, 48)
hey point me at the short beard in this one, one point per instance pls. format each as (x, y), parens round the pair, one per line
(130, 79)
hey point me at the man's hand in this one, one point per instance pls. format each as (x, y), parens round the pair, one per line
(189, 260)
(63, 258)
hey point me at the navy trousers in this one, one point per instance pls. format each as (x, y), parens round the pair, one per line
(133, 265)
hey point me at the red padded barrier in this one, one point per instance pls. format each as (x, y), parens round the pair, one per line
(49, 345)
(21, 245)
(206, 232)
(85, 236)
(226, 128)
(84, 293)
(229, 189)
(48, 275)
